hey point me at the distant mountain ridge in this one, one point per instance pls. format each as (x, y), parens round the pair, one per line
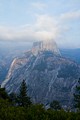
(73, 54)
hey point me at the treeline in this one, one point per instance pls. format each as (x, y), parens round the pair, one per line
(19, 107)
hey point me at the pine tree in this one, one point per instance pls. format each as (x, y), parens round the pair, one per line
(77, 96)
(55, 105)
(3, 93)
(23, 99)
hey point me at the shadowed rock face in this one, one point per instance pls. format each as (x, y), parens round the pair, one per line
(48, 77)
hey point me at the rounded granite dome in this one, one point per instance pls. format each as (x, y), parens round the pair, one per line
(48, 45)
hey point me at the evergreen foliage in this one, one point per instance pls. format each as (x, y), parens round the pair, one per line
(13, 98)
(22, 98)
(34, 112)
(10, 111)
(55, 105)
(3, 93)
(77, 96)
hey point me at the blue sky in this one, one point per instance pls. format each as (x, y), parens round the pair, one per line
(30, 20)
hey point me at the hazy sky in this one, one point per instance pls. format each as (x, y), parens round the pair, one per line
(29, 20)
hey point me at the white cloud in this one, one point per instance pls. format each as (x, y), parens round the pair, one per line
(70, 15)
(38, 5)
(44, 28)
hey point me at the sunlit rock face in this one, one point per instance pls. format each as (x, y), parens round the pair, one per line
(48, 45)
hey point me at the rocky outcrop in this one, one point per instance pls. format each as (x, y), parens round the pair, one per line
(48, 45)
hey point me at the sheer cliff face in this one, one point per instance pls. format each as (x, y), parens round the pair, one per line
(48, 45)
(48, 77)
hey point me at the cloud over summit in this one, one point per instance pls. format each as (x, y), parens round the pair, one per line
(45, 27)
(41, 20)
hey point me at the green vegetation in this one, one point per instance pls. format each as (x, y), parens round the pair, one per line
(55, 105)
(14, 107)
(22, 98)
(77, 96)
(3, 94)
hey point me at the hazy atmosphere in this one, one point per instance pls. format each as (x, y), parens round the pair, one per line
(39, 59)
(34, 20)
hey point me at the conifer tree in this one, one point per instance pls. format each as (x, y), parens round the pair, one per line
(77, 96)
(55, 105)
(23, 99)
(3, 93)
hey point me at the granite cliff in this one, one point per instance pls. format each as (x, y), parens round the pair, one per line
(48, 75)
